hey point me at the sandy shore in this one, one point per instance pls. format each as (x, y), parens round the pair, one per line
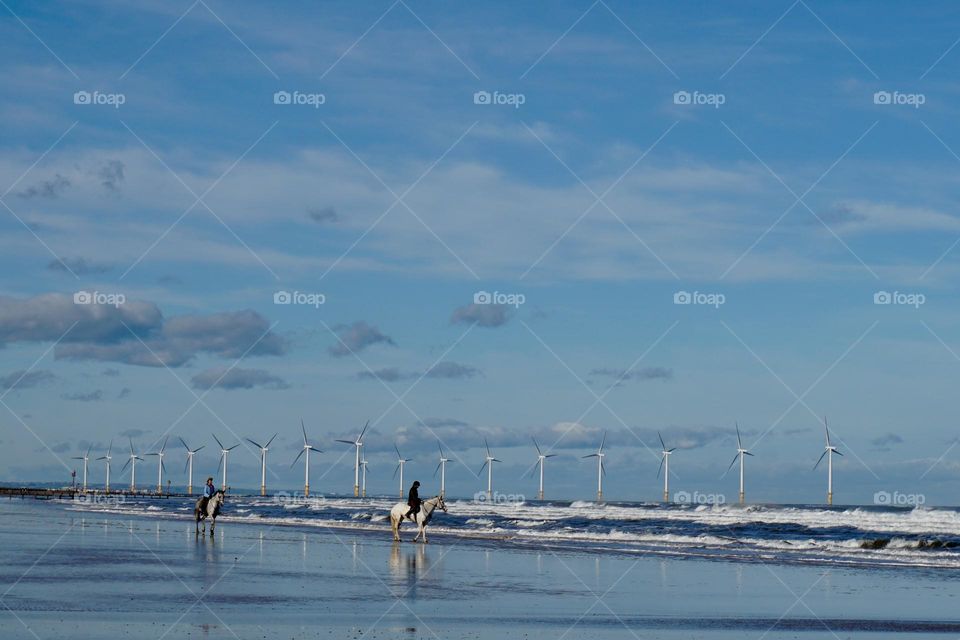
(70, 574)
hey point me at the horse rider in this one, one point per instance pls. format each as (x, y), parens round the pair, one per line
(208, 491)
(413, 501)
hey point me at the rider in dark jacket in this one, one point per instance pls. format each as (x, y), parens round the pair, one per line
(413, 500)
(208, 491)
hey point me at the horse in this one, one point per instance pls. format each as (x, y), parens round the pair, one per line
(212, 511)
(422, 517)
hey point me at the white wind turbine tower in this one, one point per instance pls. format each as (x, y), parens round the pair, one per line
(665, 466)
(85, 457)
(133, 467)
(442, 468)
(108, 458)
(541, 458)
(263, 462)
(600, 470)
(400, 462)
(828, 451)
(363, 476)
(488, 463)
(740, 453)
(307, 448)
(358, 443)
(160, 466)
(189, 465)
(223, 459)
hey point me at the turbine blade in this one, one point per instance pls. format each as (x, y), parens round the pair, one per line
(551, 455)
(487, 445)
(826, 430)
(739, 444)
(496, 460)
(363, 431)
(186, 464)
(837, 452)
(163, 465)
(184, 444)
(591, 455)
(440, 448)
(483, 467)
(253, 443)
(126, 465)
(748, 453)
(200, 447)
(304, 429)
(346, 441)
(110, 448)
(819, 460)
(602, 440)
(234, 447)
(220, 464)
(732, 462)
(437, 470)
(217, 439)
(539, 453)
(660, 468)
(131, 445)
(603, 468)
(396, 469)
(164, 447)
(270, 440)
(663, 446)
(399, 457)
(299, 455)
(671, 450)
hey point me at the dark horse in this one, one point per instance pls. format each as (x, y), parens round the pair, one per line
(212, 511)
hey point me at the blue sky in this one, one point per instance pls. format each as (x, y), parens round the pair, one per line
(815, 165)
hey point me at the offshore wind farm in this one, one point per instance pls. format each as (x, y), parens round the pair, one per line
(610, 320)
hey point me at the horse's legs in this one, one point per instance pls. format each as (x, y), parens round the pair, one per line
(395, 524)
(213, 523)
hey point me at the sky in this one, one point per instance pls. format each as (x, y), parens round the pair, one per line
(497, 222)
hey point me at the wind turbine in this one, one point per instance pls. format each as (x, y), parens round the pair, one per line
(223, 459)
(307, 448)
(363, 486)
(160, 467)
(358, 443)
(740, 453)
(85, 457)
(108, 458)
(133, 467)
(189, 465)
(665, 466)
(828, 451)
(442, 468)
(400, 462)
(263, 462)
(488, 463)
(541, 458)
(600, 470)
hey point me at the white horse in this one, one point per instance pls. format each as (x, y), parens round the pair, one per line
(212, 511)
(421, 519)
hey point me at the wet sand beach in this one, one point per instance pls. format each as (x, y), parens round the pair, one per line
(101, 575)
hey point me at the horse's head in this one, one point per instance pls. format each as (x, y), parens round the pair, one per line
(441, 503)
